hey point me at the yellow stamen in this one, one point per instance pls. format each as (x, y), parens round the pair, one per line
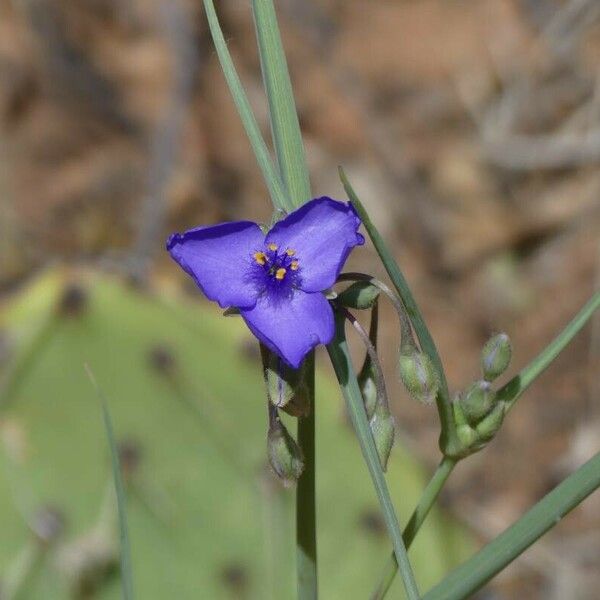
(294, 265)
(290, 252)
(260, 257)
(272, 247)
(280, 274)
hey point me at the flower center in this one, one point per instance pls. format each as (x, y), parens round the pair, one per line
(276, 271)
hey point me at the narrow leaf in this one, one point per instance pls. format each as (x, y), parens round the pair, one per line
(518, 384)
(425, 338)
(126, 570)
(277, 190)
(340, 358)
(490, 560)
(287, 137)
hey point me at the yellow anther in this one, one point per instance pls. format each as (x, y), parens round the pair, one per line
(294, 265)
(260, 257)
(290, 252)
(280, 274)
(272, 247)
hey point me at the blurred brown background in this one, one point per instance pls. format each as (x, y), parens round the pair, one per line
(470, 129)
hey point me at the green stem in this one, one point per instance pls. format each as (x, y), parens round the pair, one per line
(448, 441)
(510, 392)
(287, 139)
(342, 364)
(306, 527)
(428, 498)
(490, 560)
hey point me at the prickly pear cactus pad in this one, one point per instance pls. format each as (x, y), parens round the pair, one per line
(207, 519)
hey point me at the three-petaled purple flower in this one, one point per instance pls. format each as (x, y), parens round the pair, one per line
(275, 280)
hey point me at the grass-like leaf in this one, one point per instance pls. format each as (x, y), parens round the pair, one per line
(277, 189)
(125, 554)
(287, 137)
(510, 392)
(342, 364)
(425, 338)
(490, 560)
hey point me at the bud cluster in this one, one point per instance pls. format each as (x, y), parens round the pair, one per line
(478, 414)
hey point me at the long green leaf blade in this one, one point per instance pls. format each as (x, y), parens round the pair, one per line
(416, 318)
(287, 137)
(126, 570)
(277, 189)
(517, 385)
(340, 358)
(490, 560)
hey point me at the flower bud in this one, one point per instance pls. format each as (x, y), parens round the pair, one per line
(488, 428)
(285, 456)
(477, 401)
(286, 387)
(382, 428)
(419, 376)
(360, 295)
(368, 386)
(495, 356)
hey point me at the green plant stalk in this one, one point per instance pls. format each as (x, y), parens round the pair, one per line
(426, 502)
(285, 127)
(490, 560)
(510, 392)
(342, 364)
(306, 509)
(448, 440)
(125, 554)
(291, 159)
(277, 190)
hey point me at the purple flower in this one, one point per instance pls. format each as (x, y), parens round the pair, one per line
(276, 280)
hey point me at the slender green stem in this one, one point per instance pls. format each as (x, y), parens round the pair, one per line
(428, 498)
(510, 392)
(285, 126)
(342, 364)
(277, 190)
(490, 560)
(306, 527)
(287, 139)
(448, 440)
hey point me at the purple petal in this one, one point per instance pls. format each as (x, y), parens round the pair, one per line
(322, 233)
(218, 258)
(291, 328)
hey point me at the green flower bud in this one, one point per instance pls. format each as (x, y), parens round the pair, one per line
(488, 428)
(368, 387)
(382, 427)
(419, 376)
(285, 456)
(477, 401)
(286, 387)
(466, 435)
(360, 295)
(495, 356)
